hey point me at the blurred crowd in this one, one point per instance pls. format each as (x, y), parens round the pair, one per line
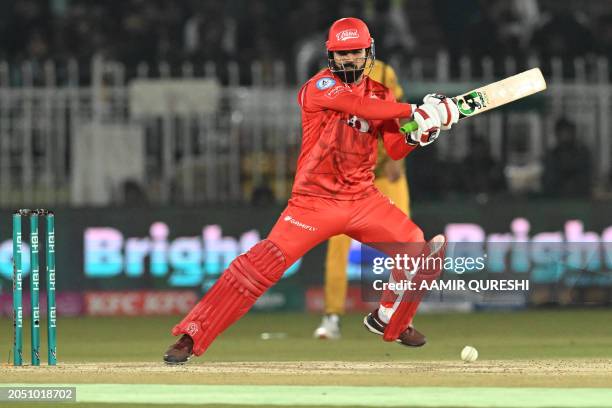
(134, 31)
(243, 31)
(565, 170)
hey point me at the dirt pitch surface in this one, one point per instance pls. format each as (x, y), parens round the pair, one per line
(506, 373)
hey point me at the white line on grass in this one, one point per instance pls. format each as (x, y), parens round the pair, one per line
(285, 395)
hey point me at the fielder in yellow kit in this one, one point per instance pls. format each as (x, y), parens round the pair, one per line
(391, 181)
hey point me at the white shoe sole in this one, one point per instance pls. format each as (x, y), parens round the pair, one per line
(374, 330)
(371, 328)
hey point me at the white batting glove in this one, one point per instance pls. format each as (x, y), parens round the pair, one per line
(428, 119)
(449, 114)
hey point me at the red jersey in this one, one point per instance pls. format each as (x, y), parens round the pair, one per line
(337, 160)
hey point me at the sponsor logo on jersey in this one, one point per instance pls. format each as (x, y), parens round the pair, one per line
(347, 34)
(325, 83)
(356, 122)
(297, 223)
(332, 93)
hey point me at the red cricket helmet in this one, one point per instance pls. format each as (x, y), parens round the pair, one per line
(348, 34)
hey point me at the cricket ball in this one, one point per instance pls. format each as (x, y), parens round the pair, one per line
(469, 354)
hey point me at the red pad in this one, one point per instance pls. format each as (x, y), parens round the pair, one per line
(403, 315)
(237, 289)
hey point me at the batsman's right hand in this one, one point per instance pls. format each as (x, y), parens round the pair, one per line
(427, 117)
(449, 114)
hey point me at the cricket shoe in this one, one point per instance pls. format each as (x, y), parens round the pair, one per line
(410, 337)
(329, 329)
(180, 352)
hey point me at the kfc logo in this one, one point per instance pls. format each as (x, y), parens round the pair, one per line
(347, 34)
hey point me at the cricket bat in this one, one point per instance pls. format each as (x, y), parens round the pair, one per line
(494, 95)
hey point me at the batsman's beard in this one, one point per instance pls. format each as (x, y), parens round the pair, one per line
(351, 71)
(348, 73)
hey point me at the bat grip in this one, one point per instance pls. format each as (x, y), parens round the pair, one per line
(409, 127)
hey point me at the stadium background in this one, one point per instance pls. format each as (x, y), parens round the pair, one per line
(183, 113)
(165, 134)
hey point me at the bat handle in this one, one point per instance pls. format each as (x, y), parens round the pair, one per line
(409, 127)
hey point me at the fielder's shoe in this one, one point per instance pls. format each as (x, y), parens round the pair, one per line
(329, 329)
(180, 352)
(410, 337)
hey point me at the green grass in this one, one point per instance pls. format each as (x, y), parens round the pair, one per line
(518, 335)
(114, 405)
(537, 335)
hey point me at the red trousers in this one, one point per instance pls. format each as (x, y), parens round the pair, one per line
(307, 221)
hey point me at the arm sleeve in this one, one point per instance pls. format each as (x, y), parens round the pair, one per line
(341, 98)
(394, 140)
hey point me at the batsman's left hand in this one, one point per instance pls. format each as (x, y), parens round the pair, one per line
(428, 119)
(449, 114)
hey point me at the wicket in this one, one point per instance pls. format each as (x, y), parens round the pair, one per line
(33, 216)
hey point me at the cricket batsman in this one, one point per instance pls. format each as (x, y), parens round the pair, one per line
(389, 179)
(343, 114)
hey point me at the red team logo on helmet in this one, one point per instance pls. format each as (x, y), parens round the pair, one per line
(347, 35)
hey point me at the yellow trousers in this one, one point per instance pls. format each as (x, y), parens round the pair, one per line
(338, 247)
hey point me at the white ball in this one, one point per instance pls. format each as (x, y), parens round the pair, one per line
(469, 354)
